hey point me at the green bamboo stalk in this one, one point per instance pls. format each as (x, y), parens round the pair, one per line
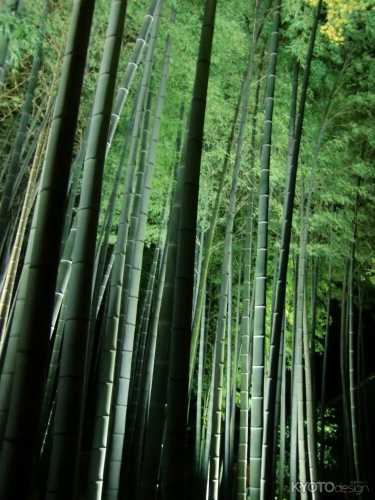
(136, 414)
(315, 276)
(108, 351)
(197, 268)
(74, 187)
(163, 267)
(122, 374)
(256, 419)
(155, 420)
(324, 369)
(283, 419)
(66, 440)
(155, 410)
(209, 418)
(293, 417)
(258, 27)
(315, 271)
(251, 295)
(227, 461)
(343, 369)
(104, 284)
(117, 259)
(351, 365)
(282, 267)
(232, 388)
(150, 361)
(143, 371)
(174, 451)
(301, 447)
(63, 276)
(236, 364)
(246, 344)
(224, 290)
(102, 250)
(130, 179)
(298, 378)
(243, 441)
(33, 309)
(139, 355)
(131, 298)
(135, 61)
(199, 413)
(57, 333)
(277, 428)
(310, 415)
(245, 356)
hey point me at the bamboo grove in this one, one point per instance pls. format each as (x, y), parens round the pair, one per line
(186, 249)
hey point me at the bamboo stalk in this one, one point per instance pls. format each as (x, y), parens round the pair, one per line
(34, 304)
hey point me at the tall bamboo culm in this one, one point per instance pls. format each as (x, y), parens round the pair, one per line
(72, 380)
(174, 453)
(295, 136)
(34, 304)
(256, 418)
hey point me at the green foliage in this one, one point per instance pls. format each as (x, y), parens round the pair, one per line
(347, 145)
